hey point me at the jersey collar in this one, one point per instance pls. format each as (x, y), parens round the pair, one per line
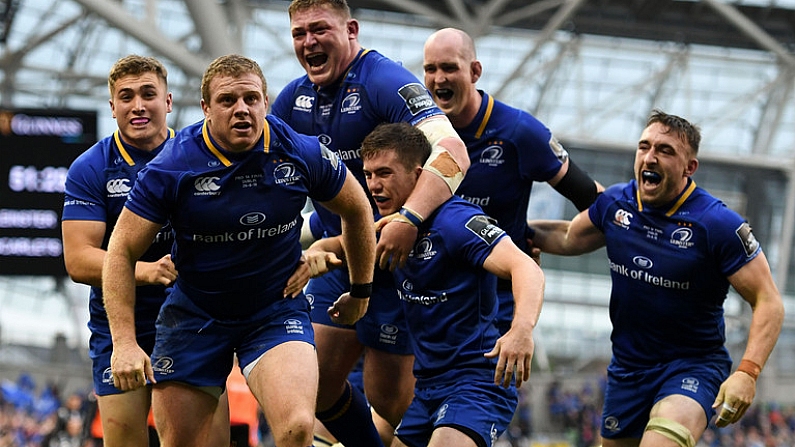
(123, 151)
(486, 115)
(691, 186)
(266, 143)
(342, 78)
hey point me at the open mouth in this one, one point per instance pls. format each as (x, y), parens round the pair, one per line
(316, 60)
(242, 125)
(444, 94)
(380, 199)
(651, 177)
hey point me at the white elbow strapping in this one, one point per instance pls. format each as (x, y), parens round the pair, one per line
(441, 162)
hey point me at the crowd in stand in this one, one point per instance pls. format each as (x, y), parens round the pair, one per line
(31, 418)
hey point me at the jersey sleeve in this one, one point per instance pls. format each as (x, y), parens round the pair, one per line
(472, 237)
(84, 191)
(326, 170)
(282, 106)
(598, 210)
(540, 154)
(731, 239)
(399, 95)
(151, 195)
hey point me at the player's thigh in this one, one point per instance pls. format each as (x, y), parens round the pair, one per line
(124, 418)
(388, 382)
(680, 409)
(183, 413)
(287, 395)
(448, 436)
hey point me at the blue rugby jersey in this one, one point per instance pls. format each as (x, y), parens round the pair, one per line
(236, 216)
(374, 90)
(509, 149)
(669, 268)
(450, 301)
(96, 188)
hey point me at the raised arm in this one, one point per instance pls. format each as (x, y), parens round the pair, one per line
(129, 240)
(754, 283)
(515, 348)
(358, 242)
(569, 238)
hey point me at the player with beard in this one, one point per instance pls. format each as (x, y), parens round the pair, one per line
(673, 251)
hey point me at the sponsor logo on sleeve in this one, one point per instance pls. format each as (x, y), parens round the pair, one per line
(332, 157)
(558, 149)
(485, 228)
(746, 235)
(416, 97)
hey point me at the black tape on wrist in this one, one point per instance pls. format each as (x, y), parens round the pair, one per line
(361, 290)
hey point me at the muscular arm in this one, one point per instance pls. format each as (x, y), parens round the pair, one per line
(130, 239)
(358, 243)
(562, 237)
(84, 256)
(82, 250)
(754, 283)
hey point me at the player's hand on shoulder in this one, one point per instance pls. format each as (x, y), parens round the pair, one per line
(348, 310)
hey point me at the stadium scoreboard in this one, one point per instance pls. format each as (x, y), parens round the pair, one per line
(36, 149)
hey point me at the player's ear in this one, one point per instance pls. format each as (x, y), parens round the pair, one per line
(476, 69)
(353, 28)
(691, 167)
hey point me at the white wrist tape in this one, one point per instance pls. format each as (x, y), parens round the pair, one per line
(440, 162)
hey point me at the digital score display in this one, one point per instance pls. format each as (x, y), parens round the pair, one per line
(36, 149)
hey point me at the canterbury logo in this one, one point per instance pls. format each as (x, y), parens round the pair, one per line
(118, 186)
(206, 184)
(304, 102)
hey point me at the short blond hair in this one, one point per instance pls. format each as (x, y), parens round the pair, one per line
(135, 65)
(233, 65)
(340, 6)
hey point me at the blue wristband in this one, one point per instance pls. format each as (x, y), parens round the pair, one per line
(411, 216)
